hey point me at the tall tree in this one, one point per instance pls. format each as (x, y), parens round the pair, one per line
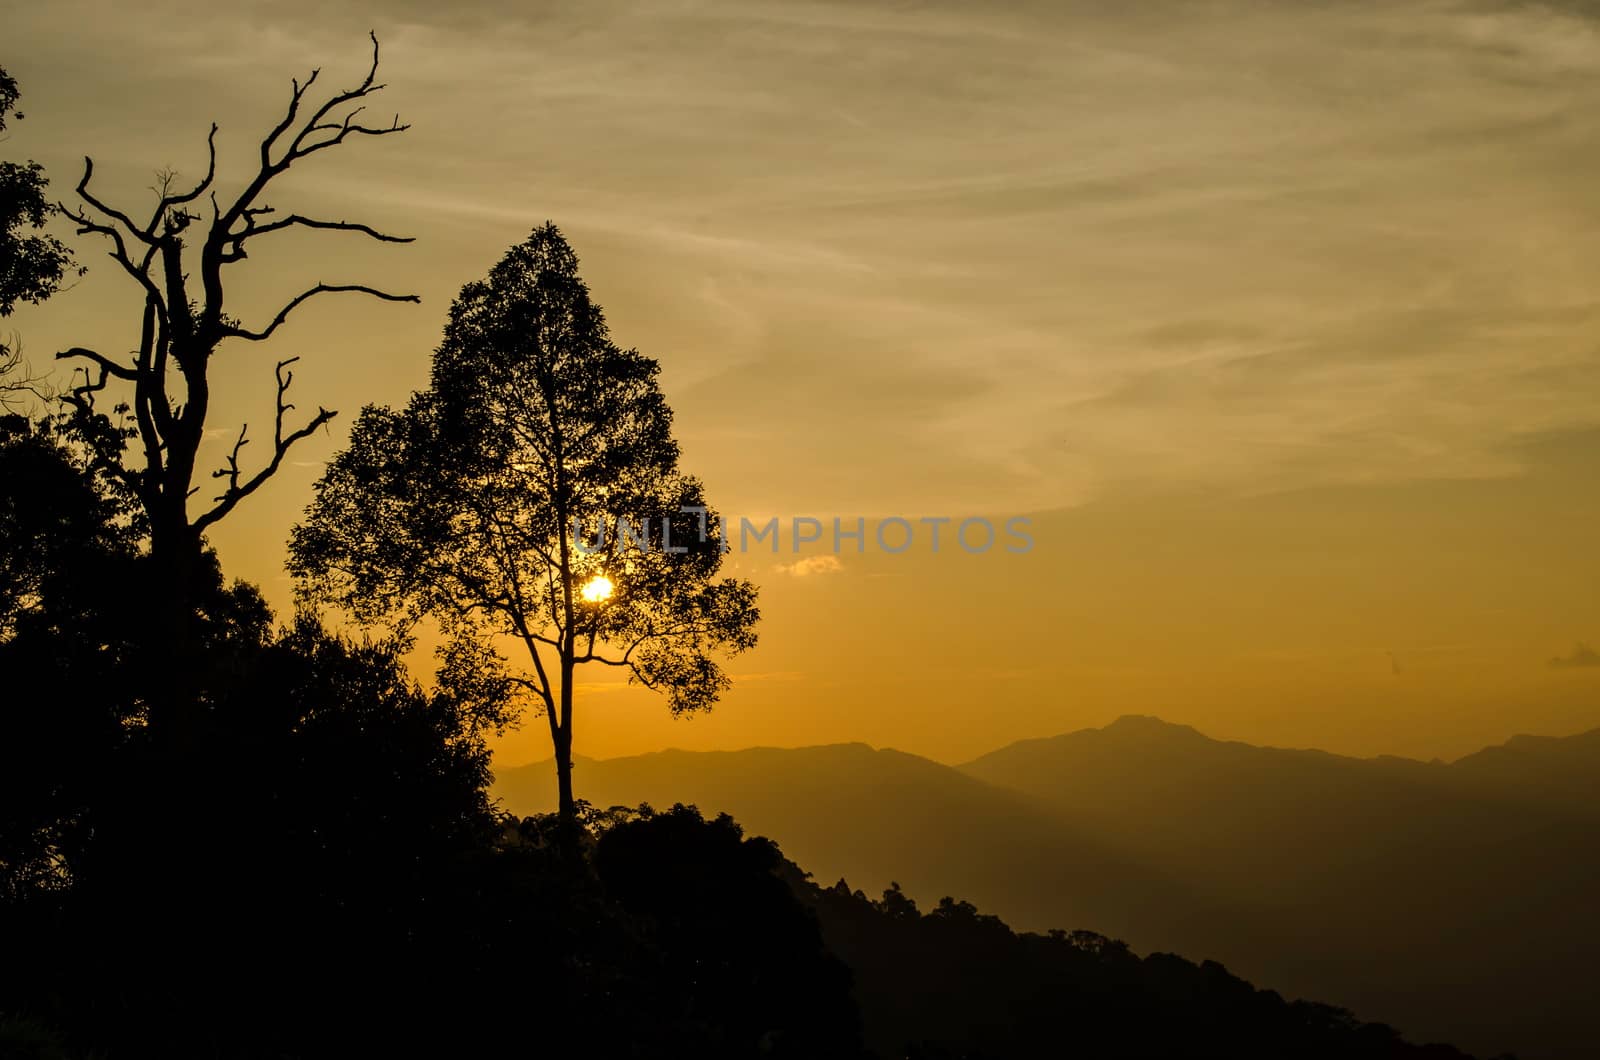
(494, 501)
(181, 262)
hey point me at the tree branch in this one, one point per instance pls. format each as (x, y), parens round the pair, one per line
(294, 303)
(298, 147)
(281, 444)
(169, 201)
(138, 233)
(297, 93)
(107, 366)
(88, 225)
(235, 240)
(81, 398)
(342, 226)
(688, 630)
(530, 639)
(532, 685)
(340, 131)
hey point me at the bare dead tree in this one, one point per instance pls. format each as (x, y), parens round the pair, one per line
(150, 441)
(185, 320)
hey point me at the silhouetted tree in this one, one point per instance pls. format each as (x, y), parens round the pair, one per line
(180, 262)
(32, 264)
(67, 548)
(281, 885)
(743, 960)
(467, 504)
(318, 841)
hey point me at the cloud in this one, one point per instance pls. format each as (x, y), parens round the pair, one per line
(802, 568)
(912, 239)
(1581, 656)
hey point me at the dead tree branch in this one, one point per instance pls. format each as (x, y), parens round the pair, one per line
(236, 490)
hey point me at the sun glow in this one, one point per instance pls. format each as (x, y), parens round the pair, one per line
(597, 590)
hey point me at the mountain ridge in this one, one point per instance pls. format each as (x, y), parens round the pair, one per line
(1122, 723)
(1352, 880)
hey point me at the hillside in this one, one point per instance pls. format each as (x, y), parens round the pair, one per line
(1452, 901)
(955, 982)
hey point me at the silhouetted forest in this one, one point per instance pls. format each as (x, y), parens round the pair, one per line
(955, 982)
(223, 834)
(1343, 879)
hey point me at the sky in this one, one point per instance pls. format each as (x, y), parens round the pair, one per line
(1278, 321)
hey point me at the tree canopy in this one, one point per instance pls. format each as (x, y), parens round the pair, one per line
(533, 492)
(32, 262)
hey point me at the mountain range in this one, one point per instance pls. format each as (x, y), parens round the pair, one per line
(1455, 901)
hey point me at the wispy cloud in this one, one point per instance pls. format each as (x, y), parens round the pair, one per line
(1266, 245)
(812, 565)
(1581, 656)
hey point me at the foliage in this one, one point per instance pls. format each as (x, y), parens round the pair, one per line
(32, 266)
(954, 982)
(58, 642)
(62, 528)
(463, 504)
(745, 957)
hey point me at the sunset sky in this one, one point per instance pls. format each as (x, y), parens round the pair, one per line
(1280, 321)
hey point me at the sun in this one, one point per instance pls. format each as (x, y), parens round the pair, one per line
(597, 590)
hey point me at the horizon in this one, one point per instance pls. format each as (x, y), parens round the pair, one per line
(1209, 736)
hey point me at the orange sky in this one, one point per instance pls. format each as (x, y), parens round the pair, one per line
(1279, 321)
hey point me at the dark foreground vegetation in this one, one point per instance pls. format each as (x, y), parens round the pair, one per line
(306, 864)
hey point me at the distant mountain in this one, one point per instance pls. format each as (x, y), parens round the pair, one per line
(1453, 901)
(877, 816)
(1280, 826)
(1556, 771)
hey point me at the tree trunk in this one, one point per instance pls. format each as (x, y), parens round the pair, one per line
(175, 561)
(566, 805)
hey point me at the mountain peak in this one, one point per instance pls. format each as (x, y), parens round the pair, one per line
(1149, 724)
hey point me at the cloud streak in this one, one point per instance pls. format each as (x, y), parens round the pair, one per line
(1581, 657)
(812, 566)
(1243, 247)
